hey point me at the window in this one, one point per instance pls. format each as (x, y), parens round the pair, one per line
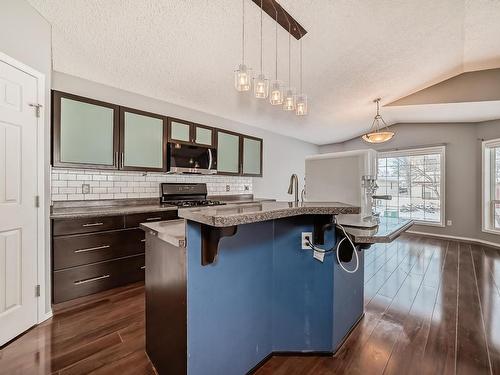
(415, 180)
(491, 186)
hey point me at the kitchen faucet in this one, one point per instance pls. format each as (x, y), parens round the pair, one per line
(294, 184)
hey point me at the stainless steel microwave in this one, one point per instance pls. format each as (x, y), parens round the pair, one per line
(192, 159)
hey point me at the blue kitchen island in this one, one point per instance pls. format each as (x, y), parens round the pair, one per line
(226, 287)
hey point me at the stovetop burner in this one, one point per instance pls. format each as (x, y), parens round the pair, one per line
(186, 195)
(195, 203)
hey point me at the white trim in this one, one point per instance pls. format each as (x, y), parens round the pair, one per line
(43, 317)
(446, 236)
(415, 151)
(41, 217)
(486, 215)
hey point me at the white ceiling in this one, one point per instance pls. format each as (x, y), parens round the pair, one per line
(185, 52)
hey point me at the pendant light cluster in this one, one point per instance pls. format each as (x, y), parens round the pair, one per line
(379, 131)
(262, 89)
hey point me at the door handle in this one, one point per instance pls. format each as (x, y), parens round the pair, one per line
(92, 225)
(85, 281)
(92, 249)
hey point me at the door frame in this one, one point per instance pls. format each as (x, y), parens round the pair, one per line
(42, 217)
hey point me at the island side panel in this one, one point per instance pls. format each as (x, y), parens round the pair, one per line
(302, 290)
(348, 298)
(166, 330)
(229, 309)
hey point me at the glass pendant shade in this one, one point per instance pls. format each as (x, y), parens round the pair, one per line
(261, 87)
(301, 105)
(379, 131)
(243, 78)
(276, 94)
(378, 137)
(289, 100)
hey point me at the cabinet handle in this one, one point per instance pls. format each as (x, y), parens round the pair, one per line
(143, 267)
(144, 240)
(153, 218)
(84, 281)
(92, 249)
(115, 161)
(92, 225)
(122, 159)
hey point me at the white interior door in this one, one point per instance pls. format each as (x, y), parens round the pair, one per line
(18, 215)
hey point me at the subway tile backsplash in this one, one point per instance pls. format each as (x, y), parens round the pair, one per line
(68, 184)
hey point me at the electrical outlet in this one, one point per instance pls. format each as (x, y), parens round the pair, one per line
(449, 223)
(228, 188)
(304, 243)
(247, 187)
(85, 188)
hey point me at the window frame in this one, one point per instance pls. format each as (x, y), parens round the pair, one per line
(419, 151)
(487, 187)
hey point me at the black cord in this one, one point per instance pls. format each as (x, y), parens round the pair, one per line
(317, 248)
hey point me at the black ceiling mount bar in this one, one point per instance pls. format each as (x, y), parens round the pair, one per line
(271, 7)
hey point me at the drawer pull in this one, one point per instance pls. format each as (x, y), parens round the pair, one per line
(84, 281)
(143, 267)
(153, 218)
(92, 249)
(92, 225)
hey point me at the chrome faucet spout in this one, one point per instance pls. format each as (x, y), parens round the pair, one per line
(294, 185)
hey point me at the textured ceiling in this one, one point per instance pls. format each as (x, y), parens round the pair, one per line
(185, 52)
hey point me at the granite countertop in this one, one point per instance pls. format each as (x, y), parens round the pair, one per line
(247, 201)
(235, 214)
(387, 230)
(171, 231)
(106, 208)
(112, 207)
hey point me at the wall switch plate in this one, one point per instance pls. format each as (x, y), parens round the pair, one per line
(305, 246)
(449, 223)
(228, 188)
(85, 188)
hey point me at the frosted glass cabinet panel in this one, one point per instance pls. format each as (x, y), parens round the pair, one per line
(85, 132)
(142, 140)
(252, 156)
(180, 131)
(203, 135)
(228, 153)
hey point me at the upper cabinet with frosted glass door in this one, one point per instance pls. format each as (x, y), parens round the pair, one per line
(185, 132)
(85, 132)
(143, 144)
(238, 154)
(251, 154)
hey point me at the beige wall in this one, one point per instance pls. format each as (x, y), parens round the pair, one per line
(282, 155)
(26, 37)
(463, 169)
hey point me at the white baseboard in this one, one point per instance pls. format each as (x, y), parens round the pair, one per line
(43, 317)
(465, 239)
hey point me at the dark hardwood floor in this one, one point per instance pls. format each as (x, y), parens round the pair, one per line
(432, 307)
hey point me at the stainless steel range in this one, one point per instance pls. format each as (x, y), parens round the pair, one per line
(186, 195)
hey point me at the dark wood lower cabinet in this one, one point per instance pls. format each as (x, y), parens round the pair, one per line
(72, 251)
(89, 279)
(93, 254)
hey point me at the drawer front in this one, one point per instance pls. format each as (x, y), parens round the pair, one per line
(84, 280)
(71, 251)
(133, 221)
(86, 225)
